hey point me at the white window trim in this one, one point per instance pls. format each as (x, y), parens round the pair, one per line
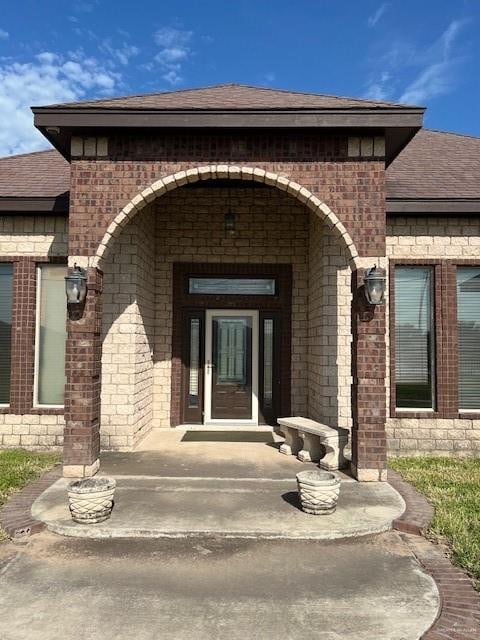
(36, 404)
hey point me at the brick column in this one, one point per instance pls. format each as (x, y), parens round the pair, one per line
(82, 392)
(23, 335)
(369, 445)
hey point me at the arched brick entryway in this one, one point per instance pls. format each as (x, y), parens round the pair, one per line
(368, 393)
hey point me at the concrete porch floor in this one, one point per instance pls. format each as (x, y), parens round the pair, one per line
(195, 483)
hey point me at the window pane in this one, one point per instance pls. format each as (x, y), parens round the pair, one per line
(468, 312)
(414, 337)
(51, 334)
(267, 362)
(232, 286)
(6, 286)
(194, 362)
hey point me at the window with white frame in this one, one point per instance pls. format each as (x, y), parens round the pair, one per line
(50, 335)
(6, 288)
(414, 338)
(468, 316)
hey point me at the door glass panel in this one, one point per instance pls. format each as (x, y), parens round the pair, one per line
(193, 385)
(267, 362)
(231, 350)
(231, 390)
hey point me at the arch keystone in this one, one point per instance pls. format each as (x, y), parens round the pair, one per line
(222, 171)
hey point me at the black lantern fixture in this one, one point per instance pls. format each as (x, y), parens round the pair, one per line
(374, 281)
(229, 219)
(76, 286)
(229, 223)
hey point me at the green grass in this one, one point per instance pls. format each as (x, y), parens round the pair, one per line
(453, 487)
(18, 468)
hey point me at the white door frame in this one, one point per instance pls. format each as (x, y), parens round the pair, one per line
(208, 365)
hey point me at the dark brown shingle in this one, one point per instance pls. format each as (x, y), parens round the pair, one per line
(40, 174)
(436, 164)
(229, 96)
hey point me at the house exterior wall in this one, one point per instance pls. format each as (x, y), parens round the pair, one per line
(442, 241)
(329, 329)
(350, 179)
(26, 241)
(188, 226)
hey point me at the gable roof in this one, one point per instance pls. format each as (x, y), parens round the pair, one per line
(438, 168)
(229, 96)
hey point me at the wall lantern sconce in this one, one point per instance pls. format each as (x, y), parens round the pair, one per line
(374, 281)
(229, 223)
(76, 286)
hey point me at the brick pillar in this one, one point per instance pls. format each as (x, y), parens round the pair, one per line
(369, 446)
(82, 392)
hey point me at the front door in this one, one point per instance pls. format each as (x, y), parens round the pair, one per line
(231, 367)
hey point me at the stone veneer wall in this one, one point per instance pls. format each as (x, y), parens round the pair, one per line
(36, 237)
(423, 238)
(269, 228)
(128, 327)
(189, 224)
(329, 329)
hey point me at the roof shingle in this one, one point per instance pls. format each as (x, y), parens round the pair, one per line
(434, 164)
(230, 96)
(42, 174)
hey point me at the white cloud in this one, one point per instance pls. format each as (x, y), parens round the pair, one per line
(47, 79)
(4, 35)
(174, 51)
(433, 68)
(377, 15)
(121, 53)
(438, 76)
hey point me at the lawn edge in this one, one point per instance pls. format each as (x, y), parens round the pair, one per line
(459, 613)
(418, 512)
(15, 515)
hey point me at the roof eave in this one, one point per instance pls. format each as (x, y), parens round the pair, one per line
(404, 121)
(35, 204)
(445, 206)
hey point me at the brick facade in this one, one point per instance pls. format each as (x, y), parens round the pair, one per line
(443, 243)
(26, 241)
(352, 188)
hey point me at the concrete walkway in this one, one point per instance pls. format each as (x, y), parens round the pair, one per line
(154, 507)
(214, 589)
(228, 484)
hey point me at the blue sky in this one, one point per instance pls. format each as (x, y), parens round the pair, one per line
(423, 52)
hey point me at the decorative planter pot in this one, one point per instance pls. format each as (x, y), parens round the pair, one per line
(318, 491)
(91, 499)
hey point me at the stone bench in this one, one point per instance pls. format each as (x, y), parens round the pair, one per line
(307, 439)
